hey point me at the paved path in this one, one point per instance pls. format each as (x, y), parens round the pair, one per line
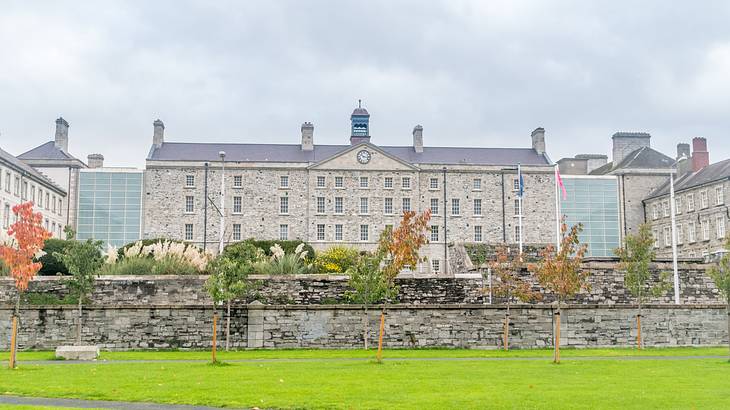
(95, 404)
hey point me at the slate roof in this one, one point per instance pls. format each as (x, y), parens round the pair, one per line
(713, 172)
(183, 151)
(642, 158)
(22, 166)
(49, 150)
(360, 111)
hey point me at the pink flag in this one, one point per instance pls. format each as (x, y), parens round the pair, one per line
(560, 184)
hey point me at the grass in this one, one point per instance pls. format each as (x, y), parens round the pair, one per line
(398, 384)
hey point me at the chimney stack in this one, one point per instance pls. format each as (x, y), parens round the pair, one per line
(307, 136)
(95, 161)
(61, 140)
(700, 156)
(159, 135)
(682, 150)
(624, 143)
(418, 138)
(538, 140)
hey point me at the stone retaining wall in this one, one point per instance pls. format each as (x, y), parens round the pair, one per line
(341, 326)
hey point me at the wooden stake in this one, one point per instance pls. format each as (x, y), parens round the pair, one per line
(557, 337)
(379, 356)
(215, 332)
(638, 335)
(506, 332)
(13, 342)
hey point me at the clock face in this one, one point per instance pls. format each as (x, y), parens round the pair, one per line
(363, 157)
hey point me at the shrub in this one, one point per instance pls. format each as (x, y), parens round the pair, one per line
(51, 265)
(145, 242)
(244, 253)
(287, 246)
(282, 263)
(129, 267)
(337, 259)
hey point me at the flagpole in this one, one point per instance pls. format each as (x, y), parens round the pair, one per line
(520, 193)
(557, 212)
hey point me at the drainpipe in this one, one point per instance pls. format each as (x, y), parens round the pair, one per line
(205, 209)
(446, 250)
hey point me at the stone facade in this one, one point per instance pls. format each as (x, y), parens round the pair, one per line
(341, 326)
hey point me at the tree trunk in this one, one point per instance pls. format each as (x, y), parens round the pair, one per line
(556, 357)
(215, 333)
(14, 334)
(506, 329)
(366, 329)
(638, 327)
(228, 325)
(78, 325)
(379, 356)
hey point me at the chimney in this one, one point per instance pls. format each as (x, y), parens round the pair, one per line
(682, 150)
(61, 140)
(307, 136)
(624, 143)
(418, 138)
(700, 156)
(538, 140)
(159, 135)
(95, 161)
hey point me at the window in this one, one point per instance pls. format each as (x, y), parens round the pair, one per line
(236, 232)
(433, 183)
(284, 205)
(406, 204)
(189, 181)
(7, 181)
(48, 200)
(338, 204)
(516, 184)
(680, 234)
(24, 191)
(320, 232)
(477, 207)
(677, 205)
(363, 206)
(434, 233)
(283, 232)
(518, 233)
(284, 181)
(60, 206)
(188, 232)
(477, 184)
(320, 181)
(16, 186)
(435, 265)
(703, 199)
(364, 233)
(665, 208)
(6, 217)
(364, 182)
(320, 204)
(720, 222)
(388, 206)
(477, 233)
(237, 205)
(388, 183)
(691, 229)
(434, 206)
(40, 198)
(655, 212)
(32, 193)
(53, 228)
(53, 204)
(690, 202)
(455, 207)
(705, 226)
(667, 236)
(405, 183)
(47, 225)
(339, 182)
(719, 197)
(237, 181)
(517, 207)
(338, 232)
(189, 204)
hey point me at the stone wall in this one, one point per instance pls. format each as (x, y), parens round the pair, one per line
(341, 326)
(606, 288)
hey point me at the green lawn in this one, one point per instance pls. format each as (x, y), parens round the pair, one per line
(399, 384)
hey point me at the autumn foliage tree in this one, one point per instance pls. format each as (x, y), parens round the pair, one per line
(560, 272)
(24, 242)
(506, 269)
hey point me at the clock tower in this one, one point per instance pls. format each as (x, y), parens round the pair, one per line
(360, 120)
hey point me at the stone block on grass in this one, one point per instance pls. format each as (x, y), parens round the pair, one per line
(77, 352)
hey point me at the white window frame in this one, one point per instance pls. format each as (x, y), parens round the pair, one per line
(435, 265)
(388, 183)
(434, 233)
(677, 205)
(405, 183)
(720, 226)
(284, 181)
(680, 234)
(478, 237)
(283, 205)
(665, 208)
(364, 182)
(189, 232)
(321, 205)
(388, 206)
(667, 236)
(704, 202)
(321, 181)
(236, 232)
(338, 232)
(476, 184)
(455, 207)
(320, 232)
(517, 233)
(719, 196)
(691, 232)
(434, 206)
(237, 204)
(364, 233)
(690, 202)
(406, 204)
(189, 181)
(283, 232)
(477, 207)
(189, 204)
(433, 183)
(339, 181)
(705, 228)
(339, 205)
(238, 181)
(364, 205)
(655, 212)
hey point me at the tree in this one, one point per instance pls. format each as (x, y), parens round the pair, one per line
(509, 285)
(83, 261)
(24, 242)
(560, 272)
(398, 248)
(369, 287)
(228, 280)
(635, 258)
(720, 274)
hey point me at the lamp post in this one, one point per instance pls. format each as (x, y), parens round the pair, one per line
(673, 211)
(222, 154)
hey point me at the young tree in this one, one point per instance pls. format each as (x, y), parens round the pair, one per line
(228, 280)
(560, 272)
(24, 242)
(635, 257)
(83, 261)
(720, 274)
(397, 249)
(506, 269)
(369, 287)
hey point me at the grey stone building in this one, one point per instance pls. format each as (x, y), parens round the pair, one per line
(347, 194)
(700, 205)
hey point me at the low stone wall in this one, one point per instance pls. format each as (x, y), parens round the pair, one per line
(607, 287)
(341, 326)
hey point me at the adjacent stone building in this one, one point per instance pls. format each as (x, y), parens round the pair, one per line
(347, 194)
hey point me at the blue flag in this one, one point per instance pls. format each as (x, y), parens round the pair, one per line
(522, 181)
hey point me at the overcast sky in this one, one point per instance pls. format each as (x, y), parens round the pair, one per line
(483, 73)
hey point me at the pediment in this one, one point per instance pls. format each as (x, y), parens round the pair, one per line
(378, 160)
